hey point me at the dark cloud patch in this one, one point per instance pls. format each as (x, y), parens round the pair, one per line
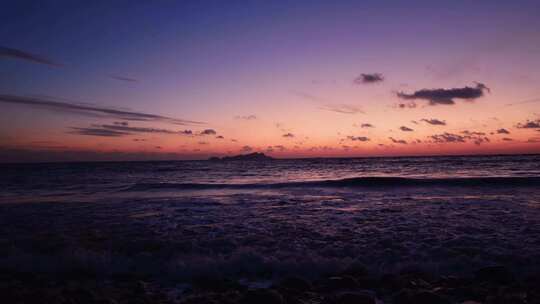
(23, 55)
(398, 141)
(434, 121)
(288, 135)
(280, 148)
(507, 139)
(480, 140)
(208, 132)
(92, 111)
(446, 96)
(246, 149)
(368, 78)
(447, 138)
(123, 78)
(139, 139)
(475, 137)
(473, 133)
(358, 138)
(503, 131)
(246, 117)
(158, 147)
(367, 125)
(202, 143)
(406, 105)
(220, 137)
(97, 132)
(342, 108)
(121, 123)
(529, 124)
(276, 148)
(405, 129)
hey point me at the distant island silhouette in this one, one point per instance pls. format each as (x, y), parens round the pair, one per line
(251, 156)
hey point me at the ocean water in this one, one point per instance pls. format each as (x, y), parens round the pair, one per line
(257, 221)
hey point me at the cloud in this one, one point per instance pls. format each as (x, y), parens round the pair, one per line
(475, 137)
(280, 148)
(288, 135)
(342, 108)
(358, 138)
(480, 140)
(118, 129)
(405, 129)
(220, 137)
(246, 149)
(503, 131)
(208, 132)
(434, 121)
(88, 110)
(97, 132)
(22, 55)
(368, 78)
(507, 139)
(339, 108)
(529, 124)
(447, 138)
(309, 96)
(246, 117)
(126, 128)
(407, 105)
(123, 78)
(524, 102)
(473, 133)
(367, 125)
(446, 96)
(202, 143)
(398, 141)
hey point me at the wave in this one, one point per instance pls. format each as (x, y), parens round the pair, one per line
(354, 182)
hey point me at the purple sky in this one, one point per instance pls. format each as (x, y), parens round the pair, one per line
(134, 80)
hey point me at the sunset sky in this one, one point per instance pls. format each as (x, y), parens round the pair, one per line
(134, 80)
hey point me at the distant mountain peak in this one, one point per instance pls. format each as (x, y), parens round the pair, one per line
(258, 156)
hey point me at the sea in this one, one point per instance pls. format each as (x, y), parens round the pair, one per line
(260, 220)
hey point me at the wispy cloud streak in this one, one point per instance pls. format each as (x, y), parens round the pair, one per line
(23, 55)
(93, 111)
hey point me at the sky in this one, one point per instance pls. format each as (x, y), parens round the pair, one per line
(143, 80)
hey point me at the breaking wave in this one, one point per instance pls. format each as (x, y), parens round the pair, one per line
(530, 181)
